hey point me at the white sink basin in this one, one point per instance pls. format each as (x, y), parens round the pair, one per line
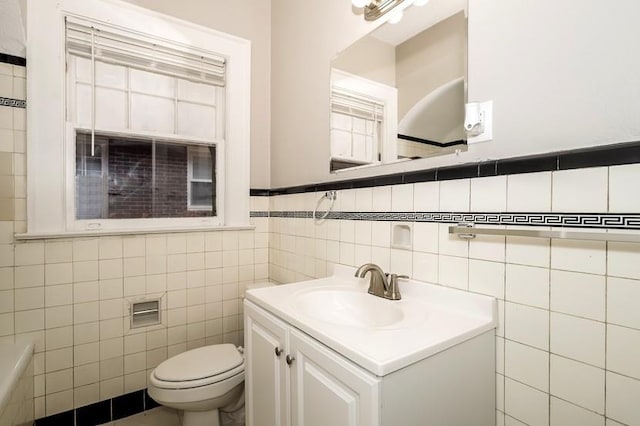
(378, 334)
(348, 307)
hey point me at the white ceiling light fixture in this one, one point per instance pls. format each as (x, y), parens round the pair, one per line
(360, 3)
(374, 9)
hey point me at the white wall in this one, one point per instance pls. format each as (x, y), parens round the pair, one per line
(305, 38)
(251, 20)
(561, 73)
(369, 58)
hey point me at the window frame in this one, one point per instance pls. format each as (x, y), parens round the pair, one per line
(51, 159)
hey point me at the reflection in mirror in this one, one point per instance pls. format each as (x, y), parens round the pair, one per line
(399, 92)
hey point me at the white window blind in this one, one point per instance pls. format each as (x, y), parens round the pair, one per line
(354, 105)
(114, 46)
(126, 82)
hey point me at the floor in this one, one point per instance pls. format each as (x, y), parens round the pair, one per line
(159, 416)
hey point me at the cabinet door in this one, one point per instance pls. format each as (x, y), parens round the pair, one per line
(266, 373)
(326, 389)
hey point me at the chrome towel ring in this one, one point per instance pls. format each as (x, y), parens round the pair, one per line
(329, 195)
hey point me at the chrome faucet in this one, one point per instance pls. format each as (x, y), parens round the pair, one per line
(381, 284)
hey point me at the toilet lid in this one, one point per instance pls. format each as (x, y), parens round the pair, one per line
(199, 363)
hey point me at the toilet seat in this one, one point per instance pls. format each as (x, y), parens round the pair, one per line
(198, 367)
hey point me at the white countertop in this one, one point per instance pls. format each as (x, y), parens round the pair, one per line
(439, 318)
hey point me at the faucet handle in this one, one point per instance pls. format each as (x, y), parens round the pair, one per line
(393, 292)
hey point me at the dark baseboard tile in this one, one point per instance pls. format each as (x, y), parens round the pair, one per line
(606, 155)
(102, 412)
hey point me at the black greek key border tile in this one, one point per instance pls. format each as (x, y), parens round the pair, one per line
(13, 103)
(569, 220)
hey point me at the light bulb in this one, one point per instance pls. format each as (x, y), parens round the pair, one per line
(395, 17)
(420, 2)
(360, 3)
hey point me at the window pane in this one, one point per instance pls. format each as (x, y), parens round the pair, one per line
(129, 179)
(201, 194)
(90, 184)
(201, 165)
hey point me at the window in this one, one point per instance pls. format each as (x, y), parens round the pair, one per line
(153, 130)
(363, 121)
(356, 123)
(134, 88)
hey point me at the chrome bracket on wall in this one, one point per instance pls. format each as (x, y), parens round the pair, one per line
(463, 236)
(462, 230)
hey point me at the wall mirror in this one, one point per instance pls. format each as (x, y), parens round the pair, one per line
(398, 93)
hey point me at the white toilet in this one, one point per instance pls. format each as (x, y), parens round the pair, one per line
(199, 382)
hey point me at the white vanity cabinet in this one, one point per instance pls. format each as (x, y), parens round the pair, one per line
(292, 380)
(325, 352)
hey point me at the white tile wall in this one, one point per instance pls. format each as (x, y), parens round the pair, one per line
(619, 178)
(569, 334)
(581, 190)
(528, 405)
(529, 192)
(578, 338)
(623, 394)
(489, 194)
(578, 383)
(564, 413)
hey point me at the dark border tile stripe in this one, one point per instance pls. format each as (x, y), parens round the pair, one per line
(512, 166)
(457, 172)
(608, 155)
(259, 192)
(13, 60)
(600, 156)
